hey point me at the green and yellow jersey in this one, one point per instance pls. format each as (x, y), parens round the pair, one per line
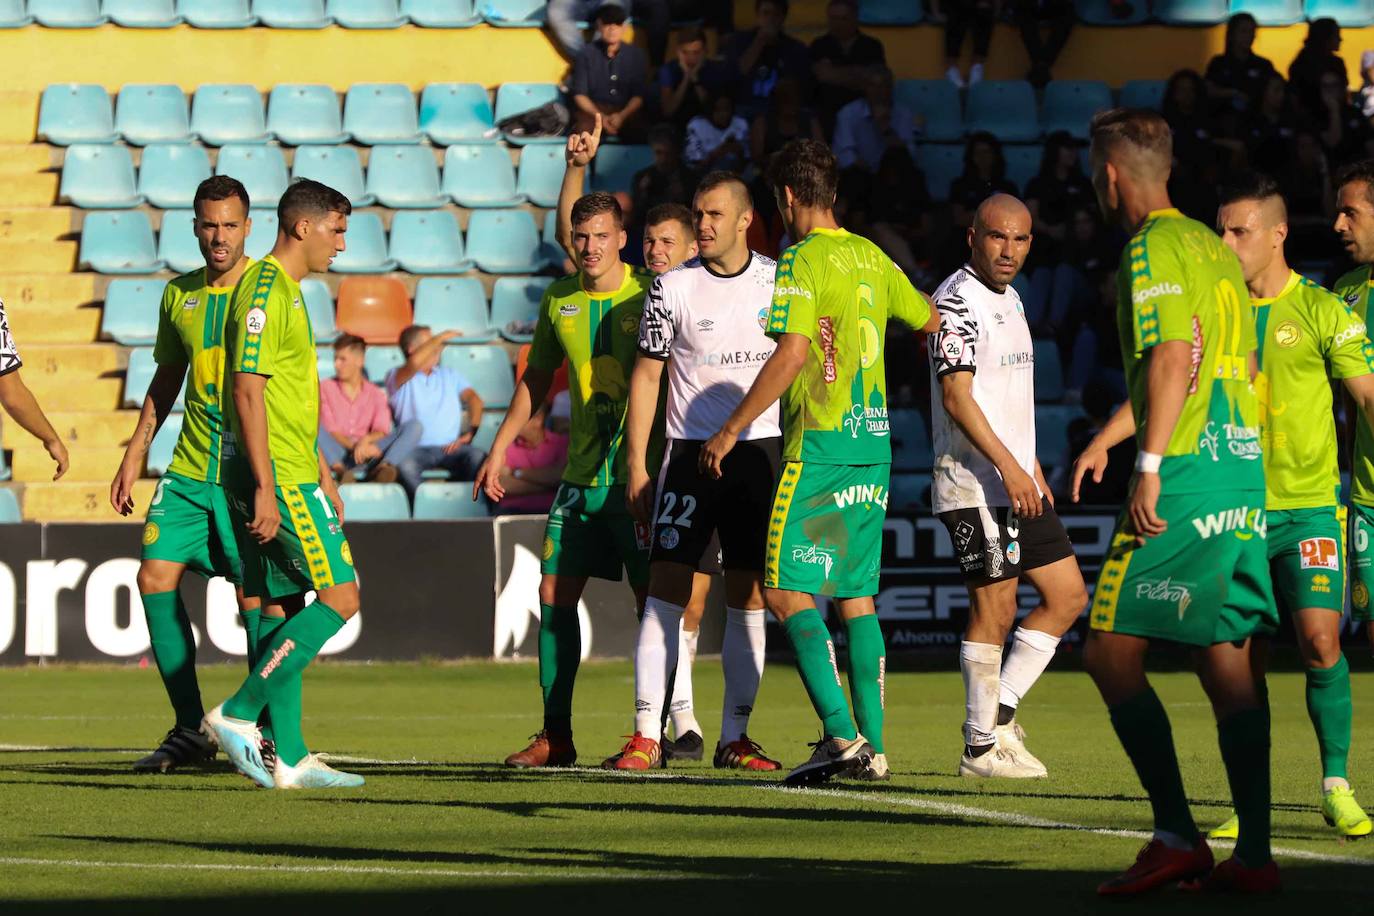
(839, 290)
(1353, 289)
(268, 333)
(598, 334)
(1179, 282)
(1306, 336)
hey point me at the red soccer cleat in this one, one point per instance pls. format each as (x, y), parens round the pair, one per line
(545, 750)
(1231, 877)
(639, 753)
(1157, 865)
(743, 754)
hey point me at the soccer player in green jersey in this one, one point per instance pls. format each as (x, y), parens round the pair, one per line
(591, 319)
(188, 524)
(288, 515)
(1188, 562)
(1307, 337)
(832, 299)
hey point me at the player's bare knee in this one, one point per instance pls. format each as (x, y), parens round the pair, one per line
(155, 577)
(344, 600)
(671, 582)
(743, 589)
(1321, 648)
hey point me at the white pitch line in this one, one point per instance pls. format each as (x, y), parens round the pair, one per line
(317, 869)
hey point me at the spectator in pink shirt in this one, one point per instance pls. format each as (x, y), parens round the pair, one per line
(356, 432)
(534, 467)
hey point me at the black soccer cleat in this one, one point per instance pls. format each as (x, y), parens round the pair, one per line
(181, 747)
(832, 757)
(684, 747)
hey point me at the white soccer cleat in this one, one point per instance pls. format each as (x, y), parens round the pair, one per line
(313, 773)
(1013, 737)
(831, 757)
(999, 763)
(241, 742)
(876, 771)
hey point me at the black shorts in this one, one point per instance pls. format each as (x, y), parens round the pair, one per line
(693, 510)
(995, 544)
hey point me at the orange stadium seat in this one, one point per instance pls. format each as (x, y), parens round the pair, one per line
(376, 309)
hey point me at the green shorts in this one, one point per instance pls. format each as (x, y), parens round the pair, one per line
(1307, 557)
(1203, 581)
(1362, 542)
(189, 522)
(309, 551)
(590, 532)
(825, 536)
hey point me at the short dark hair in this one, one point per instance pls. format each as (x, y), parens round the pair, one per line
(408, 337)
(350, 342)
(1238, 20)
(809, 168)
(691, 34)
(307, 198)
(1360, 170)
(220, 187)
(780, 4)
(612, 13)
(1249, 186)
(722, 178)
(664, 133)
(595, 204)
(663, 213)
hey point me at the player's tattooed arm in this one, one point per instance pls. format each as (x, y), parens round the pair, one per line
(1093, 460)
(157, 404)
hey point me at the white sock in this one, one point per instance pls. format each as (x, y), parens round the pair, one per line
(656, 653)
(1334, 782)
(981, 665)
(1031, 652)
(741, 656)
(684, 719)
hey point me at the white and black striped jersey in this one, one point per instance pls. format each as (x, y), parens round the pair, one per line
(983, 332)
(710, 329)
(9, 353)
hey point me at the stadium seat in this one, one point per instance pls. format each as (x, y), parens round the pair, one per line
(1071, 104)
(1270, 12)
(376, 309)
(140, 374)
(1005, 109)
(169, 173)
(218, 14)
(1023, 162)
(937, 101)
(130, 314)
(428, 242)
(454, 304)
(515, 306)
(142, 14)
(487, 367)
(551, 254)
(9, 505)
(379, 113)
(291, 14)
(13, 15)
(1348, 13)
(890, 12)
(1052, 433)
(152, 113)
(514, 13)
(374, 502)
(457, 113)
(263, 233)
(365, 14)
(336, 166)
(76, 113)
(177, 245)
(319, 305)
(1049, 372)
(364, 247)
(324, 362)
(380, 360)
(1191, 12)
(99, 177)
(941, 163)
(228, 113)
(541, 175)
(909, 492)
(1099, 12)
(67, 14)
(516, 98)
(404, 177)
(441, 14)
(486, 430)
(119, 242)
(504, 242)
(164, 444)
(479, 176)
(440, 499)
(1143, 94)
(615, 167)
(299, 114)
(262, 169)
(911, 448)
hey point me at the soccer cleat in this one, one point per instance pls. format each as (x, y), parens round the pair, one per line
(1231, 877)
(1013, 737)
(181, 747)
(999, 763)
(685, 747)
(743, 754)
(313, 773)
(1157, 865)
(269, 754)
(545, 750)
(639, 753)
(876, 771)
(831, 757)
(1228, 829)
(241, 742)
(1340, 810)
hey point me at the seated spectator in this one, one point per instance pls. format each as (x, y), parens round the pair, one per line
(687, 85)
(1317, 58)
(960, 16)
(1345, 131)
(355, 423)
(437, 397)
(761, 56)
(1365, 97)
(898, 213)
(1237, 75)
(1307, 190)
(870, 126)
(1272, 124)
(611, 78)
(786, 119)
(534, 467)
(720, 141)
(668, 180)
(1192, 181)
(842, 60)
(654, 16)
(1059, 188)
(985, 174)
(1045, 28)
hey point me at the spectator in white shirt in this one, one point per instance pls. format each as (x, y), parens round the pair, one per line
(720, 142)
(867, 127)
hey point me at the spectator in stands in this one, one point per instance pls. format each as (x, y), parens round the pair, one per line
(1195, 153)
(1365, 97)
(898, 213)
(654, 16)
(1317, 58)
(868, 127)
(668, 180)
(985, 174)
(687, 83)
(786, 119)
(356, 431)
(1345, 131)
(437, 397)
(1307, 189)
(1058, 189)
(1237, 75)
(1272, 123)
(960, 17)
(610, 77)
(719, 141)
(534, 467)
(842, 60)
(761, 56)
(1045, 28)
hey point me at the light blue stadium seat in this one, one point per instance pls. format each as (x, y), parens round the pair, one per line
(1191, 12)
(99, 176)
(263, 233)
(937, 101)
(1071, 104)
(486, 430)
(941, 163)
(404, 177)
(515, 306)
(1099, 12)
(487, 368)
(378, 113)
(9, 505)
(140, 374)
(1143, 94)
(479, 176)
(441, 14)
(299, 114)
(616, 166)
(513, 13)
(324, 362)
(291, 14)
(1023, 162)
(1349, 13)
(551, 254)
(164, 444)
(218, 14)
(909, 492)
(67, 14)
(365, 247)
(381, 360)
(365, 14)
(130, 314)
(261, 169)
(457, 113)
(76, 113)
(516, 98)
(319, 305)
(152, 113)
(911, 448)
(890, 12)
(228, 113)
(454, 304)
(13, 15)
(169, 173)
(177, 244)
(142, 14)
(119, 242)
(1271, 12)
(336, 166)
(541, 174)
(1052, 433)
(1049, 372)
(1003, 108)
(441, 499)
(428, 242)
(374, 502)
(504, 242)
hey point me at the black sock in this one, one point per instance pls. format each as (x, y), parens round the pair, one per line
(1005, 714)
(977, 750)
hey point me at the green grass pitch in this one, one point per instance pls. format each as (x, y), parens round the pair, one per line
(440, 828)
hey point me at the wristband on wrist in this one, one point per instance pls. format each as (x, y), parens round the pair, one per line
(1148, 462)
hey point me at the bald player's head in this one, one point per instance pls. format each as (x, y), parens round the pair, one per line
(721, 213)
(999, 240)
(1132, 154)
(1253, 222)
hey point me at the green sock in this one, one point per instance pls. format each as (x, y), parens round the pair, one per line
(292, 648)
(1244, 740)
(252, 621)
(1329, 707)
(816, 665)
(867, 671)
(267, 628)
(174, 649)
(560, 652)
(1143, 727)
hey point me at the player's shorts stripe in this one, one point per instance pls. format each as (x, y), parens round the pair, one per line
(1109, 580)
(782, 503)
(315, 557)
(1342, 519)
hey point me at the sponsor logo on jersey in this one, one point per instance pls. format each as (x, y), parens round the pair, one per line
(1244, 521)
(1209, 441)
(1243, 441)
(190, 303)
(871, 420)
(644, 536)
(1167, 590)
(295, 302)
(1023, 358)
(861, 495)
(827, 331)
(731, 358)
(1355, 330)
(1321, 583)
(951, 346)
(1141, 296)
(1287, 334)
(668, 538)
(1197, 355)
(705, 324)
(1014, 553)
(782, 293)
(963, 534)
(811, 555)
(1319, 553)
(255, 321)
(569, 309)
(994, 558)
(279, 656)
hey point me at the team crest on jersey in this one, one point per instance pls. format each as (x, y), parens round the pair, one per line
(256, 321)
(630, 324)
(1287, 334)
(1014, 552)
(191, 303)
(150, 534)
(1359, 595)
(548, 548)
(295, 302)
(347, 553)
(568, 309)
(668, 538)
(763, 318)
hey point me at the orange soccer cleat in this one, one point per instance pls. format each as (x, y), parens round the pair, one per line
(1157, 865)
(545, 750)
